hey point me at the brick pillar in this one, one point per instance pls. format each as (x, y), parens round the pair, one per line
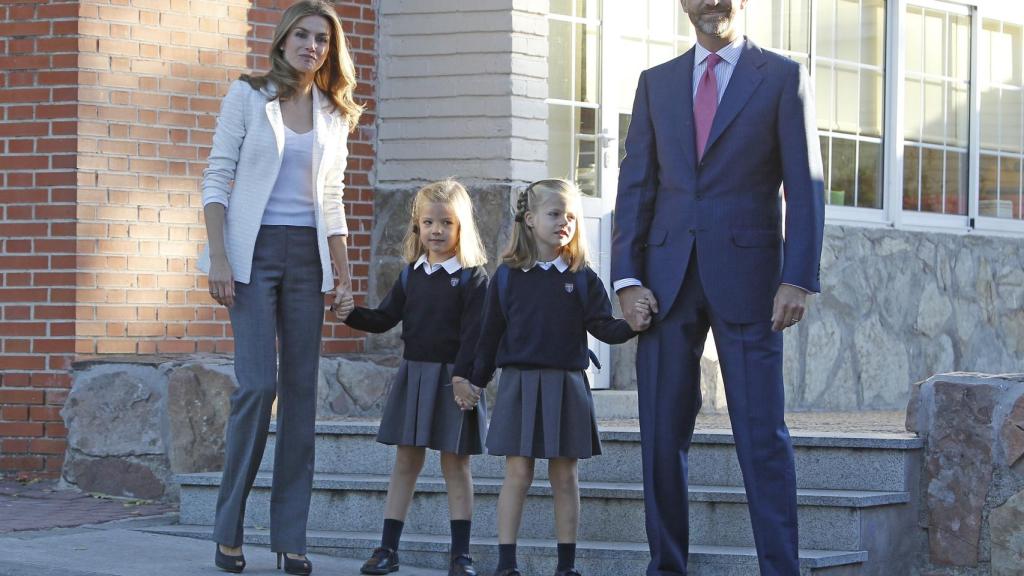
(38, 111)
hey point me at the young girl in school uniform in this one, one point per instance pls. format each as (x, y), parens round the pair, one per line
(543, 300)
(438, 298)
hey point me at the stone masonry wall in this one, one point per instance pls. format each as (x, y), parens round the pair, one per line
(896, 307)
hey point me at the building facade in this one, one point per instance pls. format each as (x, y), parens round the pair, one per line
(107, 109)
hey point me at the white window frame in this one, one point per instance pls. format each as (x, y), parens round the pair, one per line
(911, 219)
(892, 207)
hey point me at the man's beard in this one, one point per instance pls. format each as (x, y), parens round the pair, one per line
(715, 24)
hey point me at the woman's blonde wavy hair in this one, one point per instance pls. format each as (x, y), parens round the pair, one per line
(522, 251)
(469, 249)
(336, 78)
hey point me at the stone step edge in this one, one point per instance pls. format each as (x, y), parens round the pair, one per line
(814, 559)
(877, 441)
(602, 490)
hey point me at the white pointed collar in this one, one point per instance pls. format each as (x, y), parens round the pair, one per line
(559, 264)
(451, 265)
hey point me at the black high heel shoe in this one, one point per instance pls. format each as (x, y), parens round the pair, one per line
(229, 563)
(301, 567)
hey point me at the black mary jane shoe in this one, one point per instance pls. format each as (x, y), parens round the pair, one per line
(383, 561)
(229, 563)
(569, 572)
(461, 565)
(300, 567)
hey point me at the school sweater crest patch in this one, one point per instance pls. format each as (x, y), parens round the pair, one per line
(454, 282)
(569, 287)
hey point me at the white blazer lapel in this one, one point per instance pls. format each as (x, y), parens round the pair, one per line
(321, 142)
(276, 123)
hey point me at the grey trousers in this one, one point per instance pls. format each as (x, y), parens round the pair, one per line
(281, 305)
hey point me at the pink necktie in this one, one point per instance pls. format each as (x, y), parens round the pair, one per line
(705, 103)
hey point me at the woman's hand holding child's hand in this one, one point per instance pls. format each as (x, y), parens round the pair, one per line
(343, 304)
(466, 394)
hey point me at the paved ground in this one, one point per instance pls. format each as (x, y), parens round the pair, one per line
(45, 531)
(41, 506)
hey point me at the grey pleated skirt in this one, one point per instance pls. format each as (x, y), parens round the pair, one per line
(543, 413)
(421, 411)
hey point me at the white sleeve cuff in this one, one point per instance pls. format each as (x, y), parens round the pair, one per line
(800, 287)
(625, 283)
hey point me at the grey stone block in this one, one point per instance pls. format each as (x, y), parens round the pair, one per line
(827, 462)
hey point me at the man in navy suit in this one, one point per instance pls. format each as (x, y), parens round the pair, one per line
(701, 235)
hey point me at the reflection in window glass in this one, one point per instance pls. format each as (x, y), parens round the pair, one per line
(844, 162)
(1002, 120)
(574, 92)
(560, 138)
(937, 110)
(850, 97)
(869, 175)
(560, 69)
(911, 178)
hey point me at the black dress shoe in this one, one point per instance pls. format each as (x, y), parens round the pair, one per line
(508, 572)
(229, 563)
(462, 565)
(569, 572)
(383, 561)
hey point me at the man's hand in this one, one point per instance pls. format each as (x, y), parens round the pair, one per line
(466, 394)
(790, 307)
(634, 300)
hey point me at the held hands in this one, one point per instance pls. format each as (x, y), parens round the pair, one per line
(467, 396)
(221, 282)
(343, 304)
(789, 308)
(638, 307)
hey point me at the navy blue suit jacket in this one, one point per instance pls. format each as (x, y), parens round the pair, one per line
(763, 135)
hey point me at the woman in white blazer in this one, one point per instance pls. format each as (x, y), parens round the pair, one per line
(272, 197)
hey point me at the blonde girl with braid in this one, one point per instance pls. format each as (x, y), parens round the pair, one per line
(543, 300)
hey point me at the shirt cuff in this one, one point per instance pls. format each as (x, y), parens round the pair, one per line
(806, 291)
(625, 283)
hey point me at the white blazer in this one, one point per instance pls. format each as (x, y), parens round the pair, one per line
(248, 145)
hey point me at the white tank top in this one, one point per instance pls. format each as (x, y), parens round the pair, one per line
(292, 199)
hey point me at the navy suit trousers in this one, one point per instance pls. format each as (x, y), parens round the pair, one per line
(668, 371)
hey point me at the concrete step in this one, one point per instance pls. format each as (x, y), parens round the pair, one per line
(886, 462)
(593, 558)
(610, 511)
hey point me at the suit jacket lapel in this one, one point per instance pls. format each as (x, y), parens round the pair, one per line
(682, 84)
(745, 80)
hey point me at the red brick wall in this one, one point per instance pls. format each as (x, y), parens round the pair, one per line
(38, 111)
(106, 116)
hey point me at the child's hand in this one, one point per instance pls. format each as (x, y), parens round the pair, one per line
(343, 305)
(467, 396)
(643, 313)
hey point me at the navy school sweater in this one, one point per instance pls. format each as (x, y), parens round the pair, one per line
(546, 325)
(440, 317)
